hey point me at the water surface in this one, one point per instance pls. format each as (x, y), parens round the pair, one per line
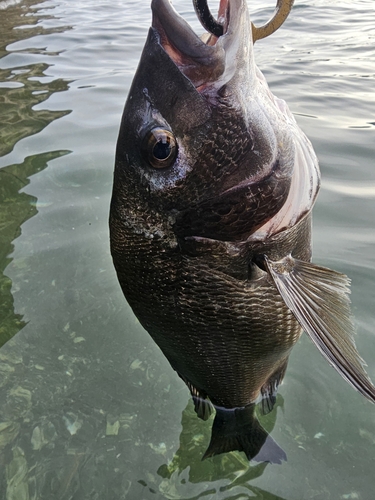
(90, 409)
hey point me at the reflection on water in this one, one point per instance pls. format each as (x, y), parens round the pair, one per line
(15, 208)
(22, 85)
(231, 467)
(14, 16)
(21, 89)
(18, 118)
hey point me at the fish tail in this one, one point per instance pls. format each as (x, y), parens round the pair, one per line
(239, 429)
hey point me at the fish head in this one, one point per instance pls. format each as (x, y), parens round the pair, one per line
(204, 148)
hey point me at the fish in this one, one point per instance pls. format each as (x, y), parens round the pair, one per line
(210, 225)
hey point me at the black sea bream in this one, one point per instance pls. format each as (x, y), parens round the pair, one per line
(211, 226)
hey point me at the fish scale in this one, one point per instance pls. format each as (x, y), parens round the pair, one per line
(200, 307)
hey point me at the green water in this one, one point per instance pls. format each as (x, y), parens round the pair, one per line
(90, 409)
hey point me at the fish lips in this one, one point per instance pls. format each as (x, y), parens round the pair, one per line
(208, 61)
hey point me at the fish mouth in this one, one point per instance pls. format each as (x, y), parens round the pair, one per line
(209, 60)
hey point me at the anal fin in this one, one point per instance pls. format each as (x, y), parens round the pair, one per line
(318, 298)
(269, 389)
(202, 406)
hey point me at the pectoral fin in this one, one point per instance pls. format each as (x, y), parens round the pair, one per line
(318, 298)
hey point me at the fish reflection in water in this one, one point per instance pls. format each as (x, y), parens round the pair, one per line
(193, 440)
(224, 476)
(210, 225)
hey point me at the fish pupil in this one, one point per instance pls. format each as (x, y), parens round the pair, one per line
(159, 148)
(162, 149)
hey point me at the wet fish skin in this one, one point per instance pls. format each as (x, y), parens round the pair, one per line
(161, 268)
(167, 276)
(204, 249)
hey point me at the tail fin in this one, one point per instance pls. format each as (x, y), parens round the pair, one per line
(239, 429)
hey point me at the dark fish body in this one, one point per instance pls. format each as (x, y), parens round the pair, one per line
(211, 227)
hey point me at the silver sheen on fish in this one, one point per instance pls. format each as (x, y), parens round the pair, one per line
(210, 224)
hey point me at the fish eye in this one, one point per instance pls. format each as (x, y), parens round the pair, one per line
(159, 148)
